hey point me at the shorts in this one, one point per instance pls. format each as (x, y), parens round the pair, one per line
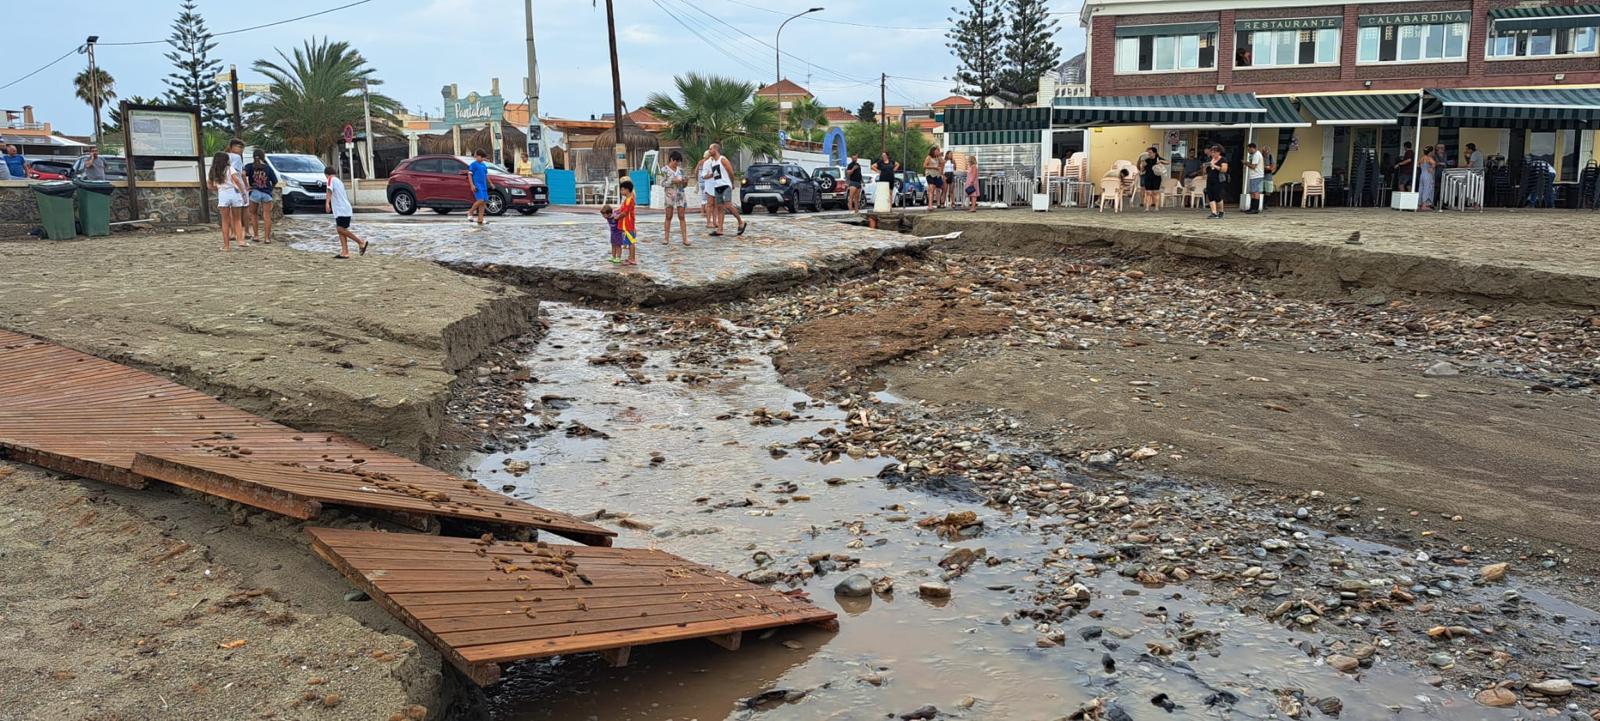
(230, 199)
(342, 221)
(260, 196)
(855, 184)
(950, 179)
(480, 195)
(935, 181)
(676, 199)
(1255, 184)
(723, 194)
(1214, 193)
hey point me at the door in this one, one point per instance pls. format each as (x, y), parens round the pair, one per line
(454, 186)
(1232, 142)
(425, 179)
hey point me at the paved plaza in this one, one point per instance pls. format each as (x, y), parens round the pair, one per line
(565, 255)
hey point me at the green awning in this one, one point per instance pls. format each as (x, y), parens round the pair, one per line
(1134, 31)
(1530, 109)
(993, 137)
(1549, 17)
(1280, 114)
(1239, 108)
(1363, 109)
(967, 120)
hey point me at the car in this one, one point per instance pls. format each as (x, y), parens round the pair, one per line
(440, 182)
(777, 185)
(116, 168)
(304, 185)
(831, 181)
(49, 169)
(911, 190)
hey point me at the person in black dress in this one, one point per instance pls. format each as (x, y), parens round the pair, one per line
(1216, 181)
(1150, 178)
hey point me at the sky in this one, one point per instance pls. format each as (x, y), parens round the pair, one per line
(419, 46)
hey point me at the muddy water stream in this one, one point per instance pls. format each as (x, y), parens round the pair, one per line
(892, 654)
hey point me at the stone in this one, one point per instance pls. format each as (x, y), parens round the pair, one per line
(1442, 369)
(1089, 633)
(1494, 572)
(856, 586)
(1441, 660)
(933, 589)
(926, 712)
(1552, 687)
(1144, 453)
(1343, 663)
(1103, 459)
(1496, 697)
(1329, 705)
(357, 595)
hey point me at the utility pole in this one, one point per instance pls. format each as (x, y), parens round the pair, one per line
(233, 93)
(536, 162)
(883, 107)
(94, 87)
(777, 63)
(616, 94)
(366, 113)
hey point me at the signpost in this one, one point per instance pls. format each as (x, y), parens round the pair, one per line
(162, 132)
(487, 110)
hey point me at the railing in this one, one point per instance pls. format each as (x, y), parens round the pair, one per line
(19, 125)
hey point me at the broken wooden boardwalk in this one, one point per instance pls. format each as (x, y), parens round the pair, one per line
(75, 413)
(484, 602)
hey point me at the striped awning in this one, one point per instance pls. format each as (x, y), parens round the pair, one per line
(967, 120)
(1238, 108)
(1552, 16)
(1363, 109)
(1531, 109)
(1281, 113)
(993, 137)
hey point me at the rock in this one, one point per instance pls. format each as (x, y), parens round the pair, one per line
(1329, 705)
(1108, 663)
(1103, 459)
(933, 589)
(1090, 633)
(925, 712)
(331, 700)
(856, 586)
(1442, 369)
(1115, 713)
(966, 702)
(1494, 571)
(1144, 453)
(1441, 660)
(636, 524)
(1164, 702)
(1496, 697)
(356, 595)
(764, 576)
(1552, 687)
(1345, 664)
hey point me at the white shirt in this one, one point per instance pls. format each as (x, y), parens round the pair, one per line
(949, 165)
(715, 174)
(237, 161)
(337, 198)
(1260, 169)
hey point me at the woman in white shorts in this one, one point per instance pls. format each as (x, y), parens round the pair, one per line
(676, 185)
(228, 184)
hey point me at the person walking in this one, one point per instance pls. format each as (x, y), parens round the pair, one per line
(228, 186)
(1255, 175)
(933, 171)
(676, 183)
(1150, 166)
(94, 166)
(261, 179)
(719, 174)
(852, 177)
(1427, 162)
(337, 203)
(478, 176)
(1216, 182)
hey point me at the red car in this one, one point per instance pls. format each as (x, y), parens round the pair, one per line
(49, 169)
(440, 182)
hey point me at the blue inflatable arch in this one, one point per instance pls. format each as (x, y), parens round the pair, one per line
(834, 140)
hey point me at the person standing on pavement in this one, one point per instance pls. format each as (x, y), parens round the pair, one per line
(478, 176)
(719, 174)
(852, 176)
(676, 183)
(261, 179)
(885, 168)
(1216, 182)
(1255, 175)
(1402, 169)
(16, 163)
(1474, 157)
(703, 187)
(94, 166)
(1150, 178)
(949, 179)
(228, 186)
(337, 203)
(933, 170)
(972, 183)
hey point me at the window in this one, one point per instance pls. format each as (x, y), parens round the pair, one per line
(1412, 43)
(1569, 155)
(1166, 53)
(1542, 42)
(1276, 48)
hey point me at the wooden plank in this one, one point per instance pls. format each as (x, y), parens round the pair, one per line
(277, 500)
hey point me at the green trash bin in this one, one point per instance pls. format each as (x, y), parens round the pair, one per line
(55, 208)
(94, 206)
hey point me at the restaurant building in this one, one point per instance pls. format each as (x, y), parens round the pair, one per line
(1314, 82)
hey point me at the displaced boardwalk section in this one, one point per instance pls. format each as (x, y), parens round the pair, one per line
(484, 602)
(75, 413)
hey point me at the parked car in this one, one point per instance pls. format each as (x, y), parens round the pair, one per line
(831, 181)
(49, 169)
(774, 186)
(116, 168)
(440, 182)
(304, 186)
(911, 190)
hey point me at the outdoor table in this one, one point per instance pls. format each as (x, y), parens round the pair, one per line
(1461, 188)
(1286, 193)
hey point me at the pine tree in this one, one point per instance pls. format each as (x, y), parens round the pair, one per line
(867, 113)
(1030, 50)
(976, 39)
(192, 81)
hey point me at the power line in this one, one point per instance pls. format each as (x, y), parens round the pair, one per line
(64, 56)
(713, 45)
(769, 46)
(253, 27)
(837, 22)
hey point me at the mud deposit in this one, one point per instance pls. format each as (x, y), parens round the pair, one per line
(679, 431)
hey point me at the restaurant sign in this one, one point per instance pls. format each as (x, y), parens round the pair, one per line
(474, 109)
(1287, 24)
(1434, 18)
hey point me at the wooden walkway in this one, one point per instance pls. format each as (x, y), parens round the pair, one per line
(75, 413)
(484, 602)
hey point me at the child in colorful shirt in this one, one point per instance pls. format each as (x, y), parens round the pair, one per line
(627, 223)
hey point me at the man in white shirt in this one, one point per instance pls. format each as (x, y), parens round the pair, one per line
(1255, 174)
(338, 203)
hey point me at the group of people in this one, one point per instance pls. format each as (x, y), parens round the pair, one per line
(712, 178)
(244, 199)
(938, 169)
(1428, 165)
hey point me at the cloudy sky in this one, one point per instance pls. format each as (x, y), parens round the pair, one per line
(418, 46)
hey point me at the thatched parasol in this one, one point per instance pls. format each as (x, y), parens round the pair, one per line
(636, 138)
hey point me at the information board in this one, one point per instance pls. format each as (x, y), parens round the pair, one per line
(162, 134)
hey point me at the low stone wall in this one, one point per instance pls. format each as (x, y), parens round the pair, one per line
(174, 203)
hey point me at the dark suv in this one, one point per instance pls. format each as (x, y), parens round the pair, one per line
(440, 182)
(774, 185)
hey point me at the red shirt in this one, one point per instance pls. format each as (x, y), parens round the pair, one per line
(625, 216)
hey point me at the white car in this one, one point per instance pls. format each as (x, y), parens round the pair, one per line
(304, 186)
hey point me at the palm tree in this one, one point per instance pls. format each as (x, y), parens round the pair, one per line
(806, 109)
(84, 87)
(315, 93)
(711, 109)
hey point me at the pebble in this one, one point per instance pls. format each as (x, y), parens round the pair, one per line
(356, 595)
(856, 586)
(1441, 660)
(926, 712)
(1442, 369)
(933, 589)
(1552, 687)
(1346, 664)
(1496, 697)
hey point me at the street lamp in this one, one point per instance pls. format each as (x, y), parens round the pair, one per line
(777, 56)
